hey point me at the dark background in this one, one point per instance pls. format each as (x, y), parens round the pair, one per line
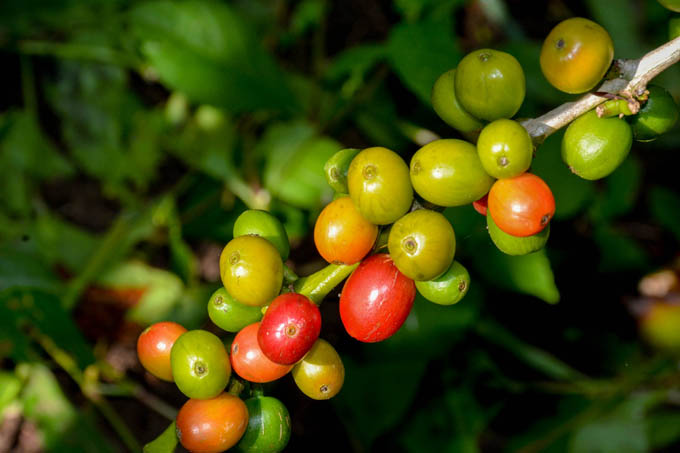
(132, 134)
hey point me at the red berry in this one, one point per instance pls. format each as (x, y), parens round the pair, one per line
(248, 361)
(521, 206)
(289, 328)
(376, 299)
(481, 204)
(154, 345)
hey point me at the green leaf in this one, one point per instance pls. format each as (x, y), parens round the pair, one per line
(21, 266)
(662, 429)
(203, 49)
(572, 194)
(377, 394)
(529, 274)
(619, 252)
(165, 443)
(621, 191)
(10, 386)
(62, 243)
(421, 52)
(664, 205)
(295, 156)
(62, 426)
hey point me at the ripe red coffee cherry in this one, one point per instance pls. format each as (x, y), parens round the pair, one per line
(376, 299)
(249, 362)
(521, 206)
(481, 204)
(154, 346)
(212, 425)
(289, 328)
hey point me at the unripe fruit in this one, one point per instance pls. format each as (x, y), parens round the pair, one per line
(320, 374)
(673, 5)
(661, 326)
(521, 206)
(230, 315)
(379, 185)
(505, 149)
(289, 328)
(447, 289)
(422, 244)
(251, 270)
(200, 364)
(263, 224)
(336, 169)
(212, 425)
(341, 234)
(448, 108)
(657, 116)
(576, 55)
(594, 147)
(448, 172)
(490, 84)
(513, 245)
(154, 346)
(268, 428)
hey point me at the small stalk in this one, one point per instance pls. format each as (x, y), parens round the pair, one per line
(320, 283)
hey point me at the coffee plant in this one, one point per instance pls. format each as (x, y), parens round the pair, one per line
(190, 233)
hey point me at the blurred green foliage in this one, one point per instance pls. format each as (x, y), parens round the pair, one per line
(135, 132)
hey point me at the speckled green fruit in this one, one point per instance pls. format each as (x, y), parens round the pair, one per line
(263, 224)
(673, 5)
(490, 84)
(230, 315)
(268, 428)
(447, 289)
(594, 147)
(657, 116)
(200, 364)
(674, 27)
(514, 245)
(422, 244)
(505, 148)
(448, 172)
(379, 185)
(447, 106)
(336, 169)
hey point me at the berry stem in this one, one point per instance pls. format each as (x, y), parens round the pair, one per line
(631, 83)
(317, 285)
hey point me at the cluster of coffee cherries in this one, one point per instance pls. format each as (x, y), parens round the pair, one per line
(277, 332)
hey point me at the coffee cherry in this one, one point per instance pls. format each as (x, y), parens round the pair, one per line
(336, 169)
(422, 244)
(660, 326)
(481, 204)
(376, 299)
(320, 374)
(448, 108)
(268, 428)
(154, 346)
(448, 172)
(230, 315)
(513, 245)
(594, 147)
(251, 270)
(447, 289)
(200, 364)
(248, 360)
(490, 84)
(289, 328)
(212, 425)
(505, 148)
(657, 116)
(379, 185)
(263, 224)
(576, 55)
(521, 206)
(341, 234)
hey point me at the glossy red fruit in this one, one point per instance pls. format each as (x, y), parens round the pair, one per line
(154, 346)
(289, 328)
(521, 206)
(376, 299)
(212, 425)
(481, 205)
(248, 361)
